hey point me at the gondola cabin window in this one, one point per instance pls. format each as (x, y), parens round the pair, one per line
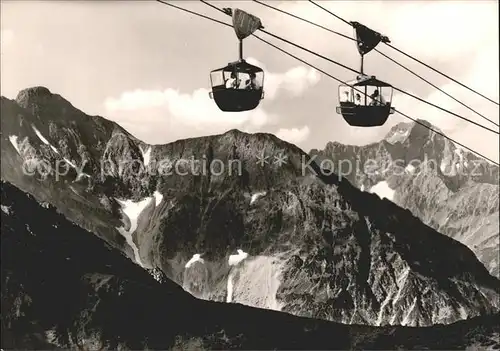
(243, 80)
(366, 96)
(217, 79)
(222, 79)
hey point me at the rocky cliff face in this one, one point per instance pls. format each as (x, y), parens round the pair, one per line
(63, 288)
(449, 189)
(242, 218)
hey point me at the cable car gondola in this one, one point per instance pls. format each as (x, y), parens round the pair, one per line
(231, 86)
(239, 86)
(366, 101)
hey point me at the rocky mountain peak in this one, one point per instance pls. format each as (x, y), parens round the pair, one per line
(415, 134)
(399, 132)
(422, 170)
(46, 108)
(424, 130)
(34, 94)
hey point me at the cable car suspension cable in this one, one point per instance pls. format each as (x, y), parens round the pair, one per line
(410, 56)
(331, 13)
(194, 13)
(356, 71)
(439, 89)
(288, 42)
(330, 76)
(381, 53)
(303, 19)
(401, 113)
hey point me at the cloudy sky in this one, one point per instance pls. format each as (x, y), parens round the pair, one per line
(146, 65)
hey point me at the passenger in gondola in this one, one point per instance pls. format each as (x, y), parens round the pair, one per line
(246, 84)
(377, 99)
(358, 99)
(346, 98)
(232, 82)
(252, 83)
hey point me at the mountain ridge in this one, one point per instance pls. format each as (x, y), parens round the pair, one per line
(330, 250)
(452, 190)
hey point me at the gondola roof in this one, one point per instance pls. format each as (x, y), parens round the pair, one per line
(363, 80)
(240, 66)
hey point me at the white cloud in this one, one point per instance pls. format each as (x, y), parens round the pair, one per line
(427, 29)
(294, 135)
(295, 81)
(180, 115)
(137, 99)
(476, 75)
(195, 109)
(472, 23)
(158, 116)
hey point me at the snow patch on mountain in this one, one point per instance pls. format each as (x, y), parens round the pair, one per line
(233, 261)
(6, 209)
(398, 134)
(158, 197)
(132, 210)
(383, 190)
(70, 163)
(146, 155)
(410, 169)
(43, 139)
(256, 196)
(13, 141)
(40, 136)
(195, 258)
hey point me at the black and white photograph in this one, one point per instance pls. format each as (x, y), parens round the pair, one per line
(250, 175)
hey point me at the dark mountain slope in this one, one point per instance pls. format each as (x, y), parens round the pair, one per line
(448, 188)
(63, 288)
